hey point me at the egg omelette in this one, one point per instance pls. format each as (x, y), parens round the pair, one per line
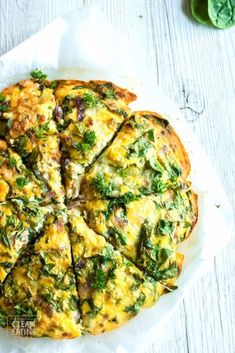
(94, 201)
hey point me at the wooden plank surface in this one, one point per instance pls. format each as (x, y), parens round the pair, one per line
(195, 65)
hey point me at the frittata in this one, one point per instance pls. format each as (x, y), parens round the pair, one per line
(42, 286)
(94, 201)
(88, 116)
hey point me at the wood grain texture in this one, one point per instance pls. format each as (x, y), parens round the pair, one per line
(195, 66)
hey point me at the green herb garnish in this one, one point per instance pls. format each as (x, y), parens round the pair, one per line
(12, 161)
(22, 182)
(38, 75)
(102, 186)
(110, 94)
(42, 130)
(20, 144)
(120, 202)
(100, 280)
(90, 100)
(89, 140)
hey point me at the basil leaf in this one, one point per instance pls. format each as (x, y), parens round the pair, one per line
(199, 11)
(222, 13)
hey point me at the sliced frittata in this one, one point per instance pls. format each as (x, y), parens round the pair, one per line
(27, 121)
(20, 223)
(146, 157)
(146, 229)
(42, 155)
(88, 115)
(16, 181)
(41, 287)
(111, 288)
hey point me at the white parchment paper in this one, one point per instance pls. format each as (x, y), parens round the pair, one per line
(82, 45)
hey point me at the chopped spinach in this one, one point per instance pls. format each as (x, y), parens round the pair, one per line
(6, 265)
(90, 100)
(3, 319)
(10, 220)
(67, 107)
(138, 281)
(159, 185)
(3, 105)
(94, 309)
(118, 235)
(3, 108)
(139, 148)
(73, 305)
(100, 279)
(165, 274)
(24, 309)
(156, 166)
(102, 186)
(4, 238)
(12, 161)
(53, 84)
(47, 268)
(164, 227)
(89, 140)
(175, 172)
(119, 111)
(151, 135)
(120, 202)
(55, 302)
(79, 87)
(2, 98)
(135, 308)
(110, 94)
(163, 255)
(42, 130)
(22, 182)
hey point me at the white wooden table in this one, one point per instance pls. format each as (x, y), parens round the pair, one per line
(195, 65)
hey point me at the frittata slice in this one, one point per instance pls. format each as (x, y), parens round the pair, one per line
(111, 288)
(88, 115)
(146, 229)
(146, 157)
(42, 155)
(41, 287)
(31, 130)
(16, 181)
(20, 223)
